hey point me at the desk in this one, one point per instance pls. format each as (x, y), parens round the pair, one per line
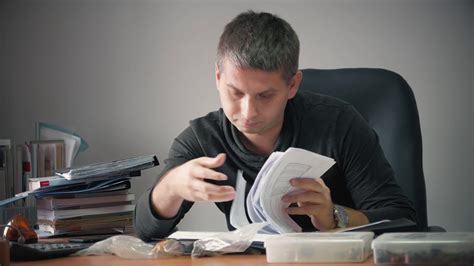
(227, 260)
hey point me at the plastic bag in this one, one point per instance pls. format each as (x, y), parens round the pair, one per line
(130, 247)
(229, 242)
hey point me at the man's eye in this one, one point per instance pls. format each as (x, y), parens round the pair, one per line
(266, 95)
(236, 93)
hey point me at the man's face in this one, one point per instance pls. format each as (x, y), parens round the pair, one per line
(254, 100)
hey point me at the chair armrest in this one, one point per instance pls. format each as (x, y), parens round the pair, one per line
(435, 228)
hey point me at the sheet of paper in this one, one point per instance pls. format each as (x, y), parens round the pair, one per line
(201, 235)
(348, 229)
(264, 200)
(238, 218)
(253, 204)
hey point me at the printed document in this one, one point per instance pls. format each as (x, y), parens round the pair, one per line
(264, 202)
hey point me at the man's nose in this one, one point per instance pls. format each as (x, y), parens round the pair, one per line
(249, 108)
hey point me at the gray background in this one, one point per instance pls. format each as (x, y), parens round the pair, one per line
(129, 75)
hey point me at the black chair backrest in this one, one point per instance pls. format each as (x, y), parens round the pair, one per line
(387, 102)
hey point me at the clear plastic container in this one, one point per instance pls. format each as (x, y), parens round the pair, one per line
(424, 248)
(319, 247)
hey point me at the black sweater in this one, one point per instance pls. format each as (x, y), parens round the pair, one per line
(361, 178)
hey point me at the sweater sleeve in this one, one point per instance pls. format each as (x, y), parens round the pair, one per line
(369, 176)
(147, 223)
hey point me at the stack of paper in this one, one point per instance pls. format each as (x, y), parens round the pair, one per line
(264, 202)
(78, 214)
(96, 197)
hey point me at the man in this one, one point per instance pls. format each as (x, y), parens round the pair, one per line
(262, 111)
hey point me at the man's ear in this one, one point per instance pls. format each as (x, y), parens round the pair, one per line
(218, 75)
(295, 84)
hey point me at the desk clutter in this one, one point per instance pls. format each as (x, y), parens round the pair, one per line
(91, 199)
(424, 248)
(319, 247)
(39, 181)
(54, 148)
(389, 248)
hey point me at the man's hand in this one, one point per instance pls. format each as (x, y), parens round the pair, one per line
(186, 182)
(314, 201)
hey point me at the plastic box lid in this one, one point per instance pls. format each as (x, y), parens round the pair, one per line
(319, 247)
(448, 247)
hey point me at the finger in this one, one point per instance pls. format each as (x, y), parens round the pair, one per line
(203, 172)
(212, 162)
(321, 182)
(308, 184)
(220, 197)
(209, 188)
(307, 196)
(304, 210)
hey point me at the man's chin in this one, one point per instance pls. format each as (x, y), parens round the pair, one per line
(248, 130)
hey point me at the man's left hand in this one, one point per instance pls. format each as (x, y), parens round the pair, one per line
(314, 201)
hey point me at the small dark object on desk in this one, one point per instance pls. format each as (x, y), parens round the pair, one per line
(41, 251)
(89, 239)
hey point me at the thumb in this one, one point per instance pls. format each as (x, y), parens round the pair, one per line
(212, 162)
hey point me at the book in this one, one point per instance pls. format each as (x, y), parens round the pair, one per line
(6, 171)
(3, 172)
(263, 203)
(73, 143)
(89, 224)
(62, 214)
(84, 225)
(115, 184)
(22, 167)
(101, 219)
(19, 180)
(53, 203)
(47, 156)
(113, 168)
(92, 194)
(86, 186)
(49, 181)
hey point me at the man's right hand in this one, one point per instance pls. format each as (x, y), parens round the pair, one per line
(186, 182)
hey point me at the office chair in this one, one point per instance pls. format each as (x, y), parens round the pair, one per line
(387, 102)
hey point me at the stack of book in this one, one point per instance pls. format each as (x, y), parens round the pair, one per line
(89, 199)
(85, 213)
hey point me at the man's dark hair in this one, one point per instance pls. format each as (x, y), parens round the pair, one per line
(260, 41)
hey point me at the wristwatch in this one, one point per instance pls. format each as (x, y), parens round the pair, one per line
(340, 216)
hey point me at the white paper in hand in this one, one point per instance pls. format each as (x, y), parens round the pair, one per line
(273, 182)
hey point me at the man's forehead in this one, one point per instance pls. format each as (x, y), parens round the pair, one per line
(256, 90)
(233, 67)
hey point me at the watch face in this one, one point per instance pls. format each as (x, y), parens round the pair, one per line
(341, 216)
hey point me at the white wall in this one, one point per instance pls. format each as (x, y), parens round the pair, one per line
(129, 75)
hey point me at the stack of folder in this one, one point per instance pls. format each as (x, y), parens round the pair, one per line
(89, 199)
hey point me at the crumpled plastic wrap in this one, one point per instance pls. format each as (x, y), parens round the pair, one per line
(228, 242)
(130, 247)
